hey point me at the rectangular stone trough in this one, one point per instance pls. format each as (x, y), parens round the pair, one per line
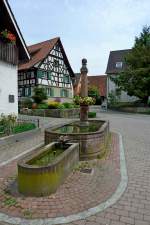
(36, 179)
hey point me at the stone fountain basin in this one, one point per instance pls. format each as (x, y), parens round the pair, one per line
(42, 180)
(91, 144)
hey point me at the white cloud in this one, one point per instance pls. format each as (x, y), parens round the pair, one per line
(88, 28)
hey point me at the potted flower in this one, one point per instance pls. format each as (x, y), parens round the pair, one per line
(7, 36)
(84, 100)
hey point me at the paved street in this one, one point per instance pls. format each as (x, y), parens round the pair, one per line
(134, 205)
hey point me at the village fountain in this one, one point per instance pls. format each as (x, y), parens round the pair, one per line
(42, 171)
(91, 135)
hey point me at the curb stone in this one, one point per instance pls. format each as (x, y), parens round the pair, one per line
(82, 215)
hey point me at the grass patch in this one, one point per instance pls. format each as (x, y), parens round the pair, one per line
(23, 127)
(9, 201)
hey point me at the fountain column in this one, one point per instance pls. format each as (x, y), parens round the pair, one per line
(84, 93)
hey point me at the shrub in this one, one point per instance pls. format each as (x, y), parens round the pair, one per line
(76, 106)
(39, 95)
(8, 122)
(61, 106)
(53, 105)
(68, 105)
(26, 103)
(91, 114)
(42, 106)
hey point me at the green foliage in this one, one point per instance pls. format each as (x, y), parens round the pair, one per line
(113, 98)
(7, 123)
(9, 201)
(28, 213)
(135, 79)
(61, 106)
(42, 106)
(22, 127)
(68, 105)
(26, 103)
(53, 105)
(93, 91)
(91, 114)
(39, 95)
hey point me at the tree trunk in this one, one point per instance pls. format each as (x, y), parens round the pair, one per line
(145, 100)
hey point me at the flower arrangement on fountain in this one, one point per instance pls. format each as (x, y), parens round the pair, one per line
(8, 36)
(84, 100)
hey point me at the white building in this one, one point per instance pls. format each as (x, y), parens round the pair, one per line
(116, 64)
(12, 50)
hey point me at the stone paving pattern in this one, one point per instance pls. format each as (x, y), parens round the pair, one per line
(79, 192)
(134, 206)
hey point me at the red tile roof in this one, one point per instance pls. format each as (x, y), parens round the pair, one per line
(100, 81)
(38, 52)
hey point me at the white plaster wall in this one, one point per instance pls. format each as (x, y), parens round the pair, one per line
(8, 86)
(111, 86)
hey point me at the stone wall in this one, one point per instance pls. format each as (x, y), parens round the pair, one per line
(64, 113)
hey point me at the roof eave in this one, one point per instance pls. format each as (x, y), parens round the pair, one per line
(17, 28)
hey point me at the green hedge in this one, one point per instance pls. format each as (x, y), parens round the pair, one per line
(22, 127)
(91, 114)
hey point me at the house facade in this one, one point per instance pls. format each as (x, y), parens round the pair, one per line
(99, 81)
(12, 50)
(48, 68)
(116, 64)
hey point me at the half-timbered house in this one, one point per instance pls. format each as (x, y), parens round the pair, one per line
(12, 50)
(49, 68)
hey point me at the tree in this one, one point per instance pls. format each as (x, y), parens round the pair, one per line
(39, 95)
(135, 79)
(93, 91)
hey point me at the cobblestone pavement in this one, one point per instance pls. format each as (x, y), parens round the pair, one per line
(134, 205)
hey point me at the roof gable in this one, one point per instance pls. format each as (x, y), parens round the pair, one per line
(8, 21)
(116, 57)
(40, 51)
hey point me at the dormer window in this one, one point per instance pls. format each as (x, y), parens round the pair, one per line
(119, 65)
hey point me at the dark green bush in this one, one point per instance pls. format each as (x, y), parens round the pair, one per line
(91, 114)
(39, 95)
(42, 106)
(68, 105)
(25, 103)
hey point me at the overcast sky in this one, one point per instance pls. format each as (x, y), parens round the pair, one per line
(87, 28)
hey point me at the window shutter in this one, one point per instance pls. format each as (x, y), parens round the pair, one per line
(52, 92)
(61, 92)
(49, 75)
